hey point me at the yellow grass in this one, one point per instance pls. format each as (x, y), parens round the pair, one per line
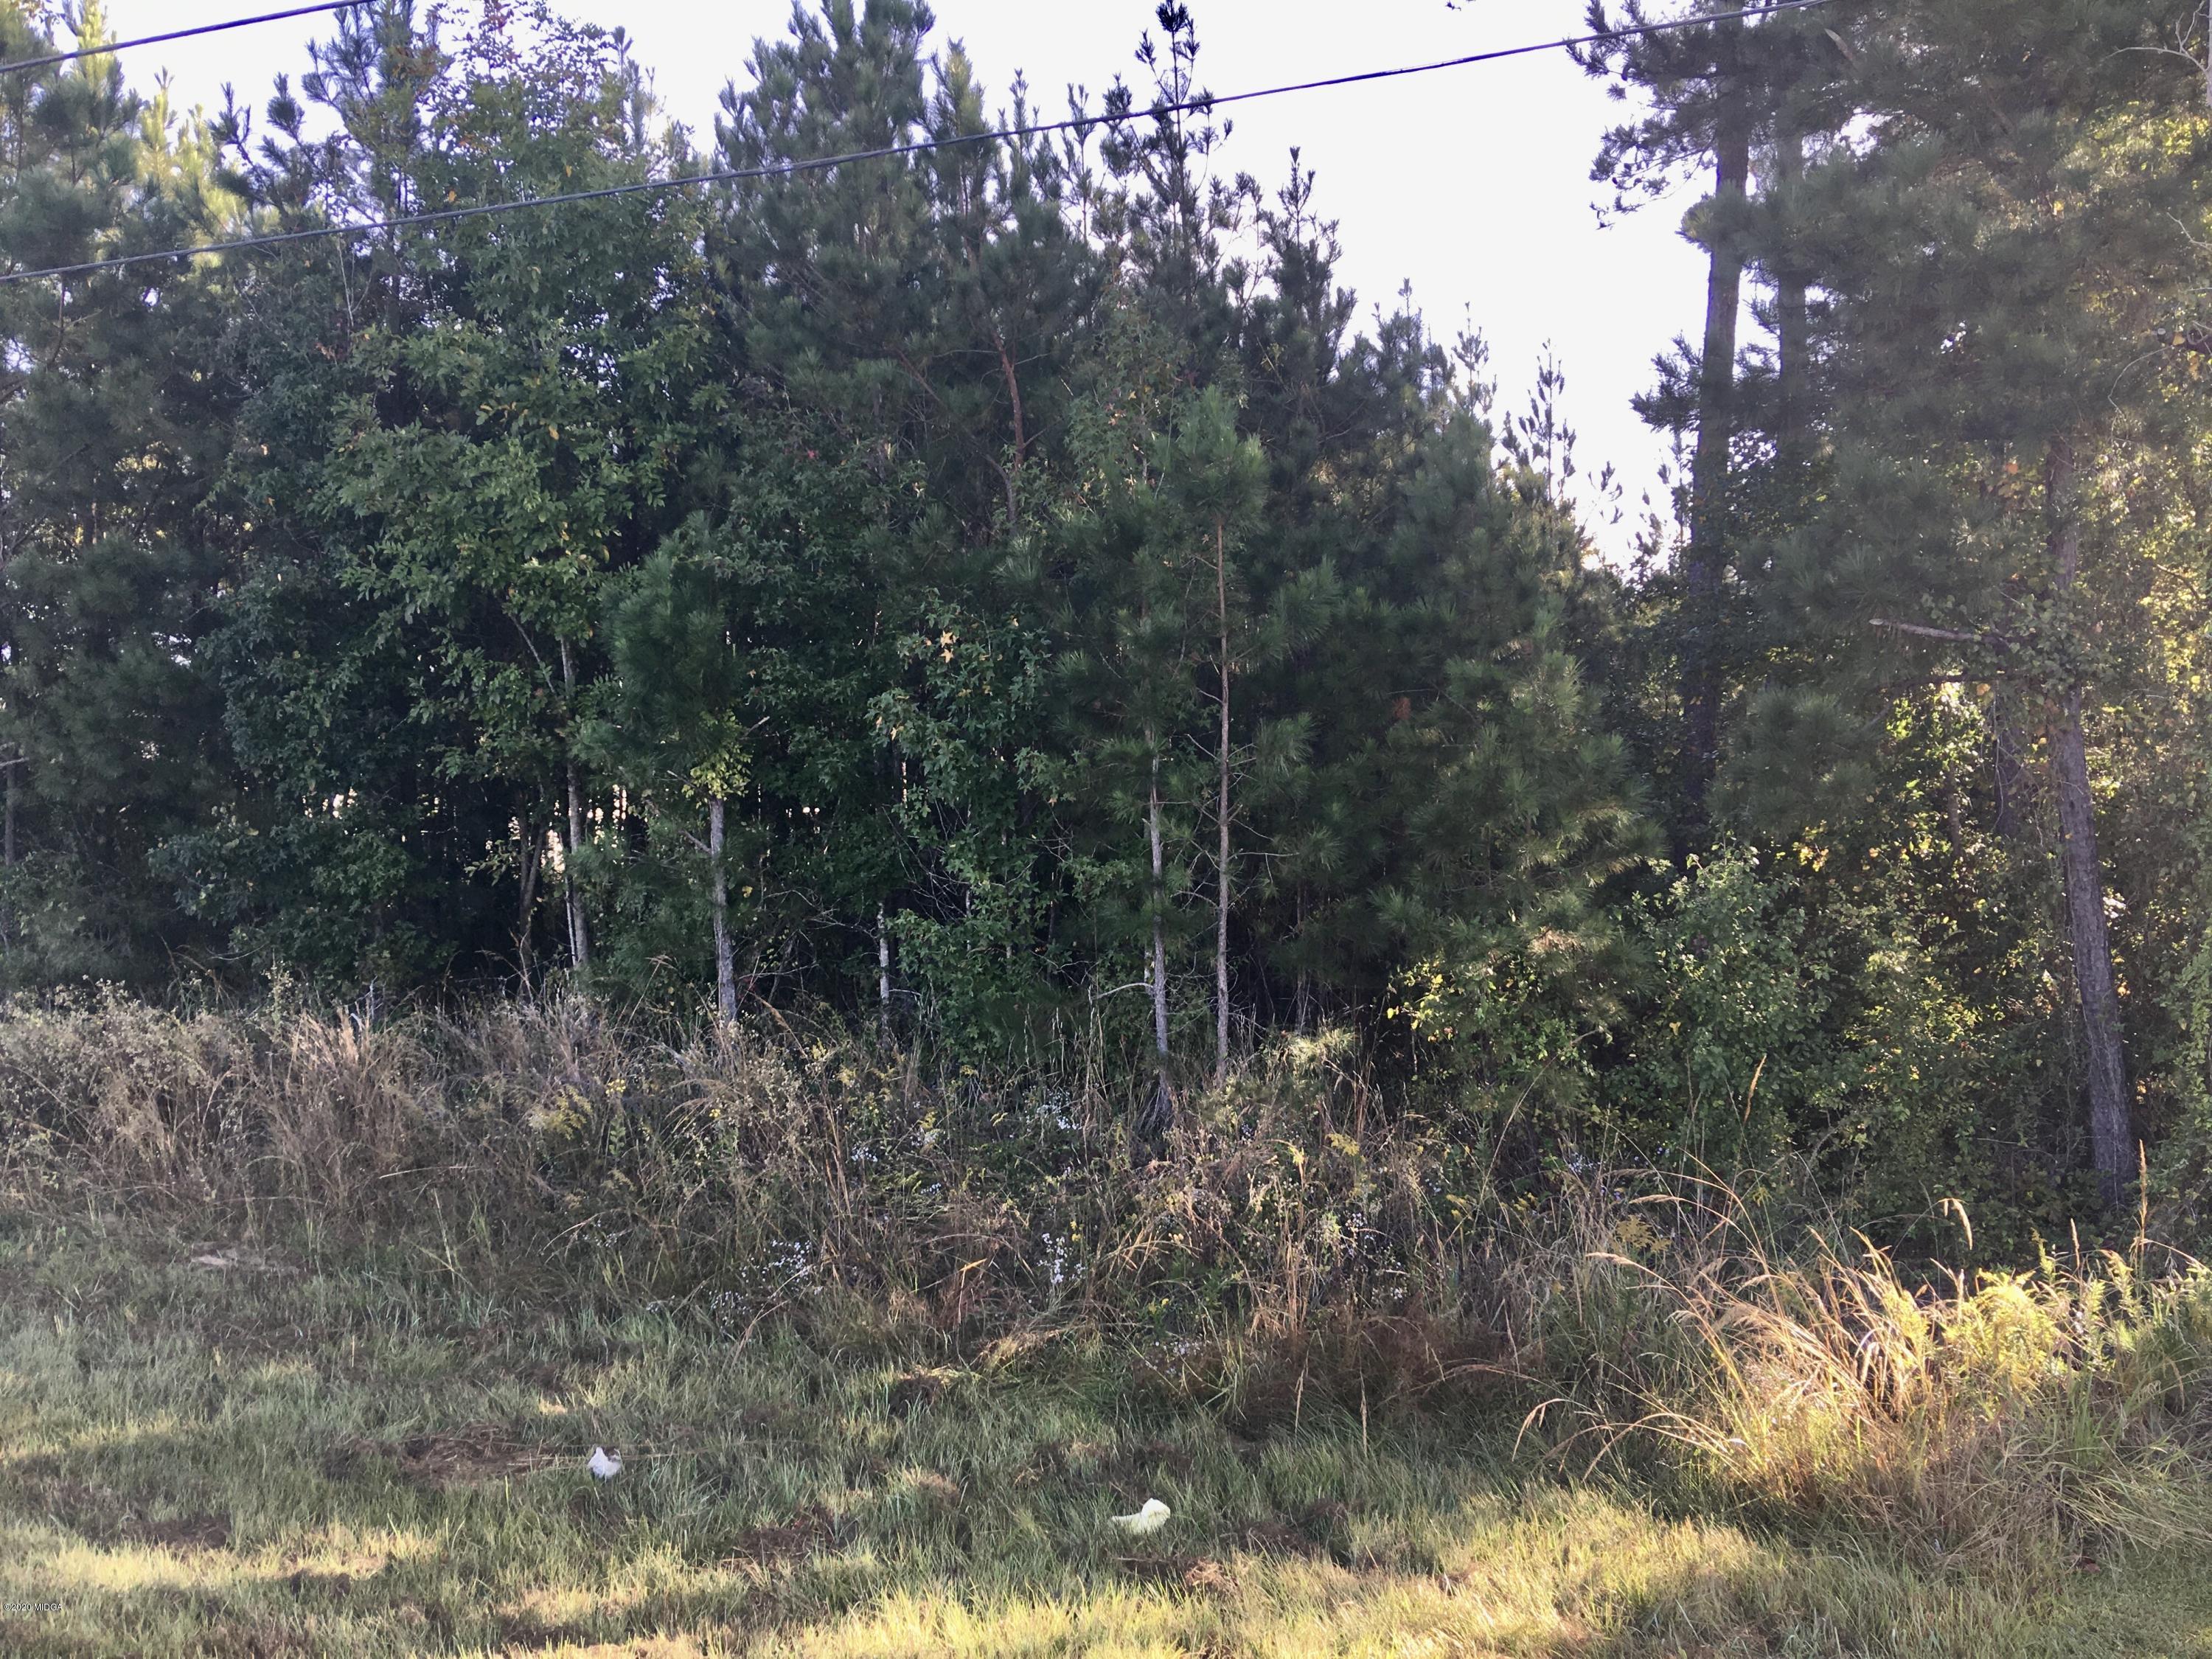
(368, 1455)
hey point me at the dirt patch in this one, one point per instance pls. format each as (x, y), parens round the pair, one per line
(469, 1456)
(102, 1517)
(918, 1391)
(1201, 1575)
(1281, 1537)
(805, 1533)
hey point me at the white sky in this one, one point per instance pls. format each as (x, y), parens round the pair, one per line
(1471, 183)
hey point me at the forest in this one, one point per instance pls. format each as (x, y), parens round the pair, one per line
(790, 716)
(1003, 595)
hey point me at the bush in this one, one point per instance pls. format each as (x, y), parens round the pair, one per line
(2017, 1419)
(1293, 1244)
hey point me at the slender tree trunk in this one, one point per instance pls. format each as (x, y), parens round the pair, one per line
(725, 961)
(1161, 1117)
(1021, 432)
(15, 765)
(2112, 1132)
(580, 937)
(1792, 317)
(2015, 796)
(525, 944)
(1301, 995)
(883, 978)
(1221, 872)
(1705, 565)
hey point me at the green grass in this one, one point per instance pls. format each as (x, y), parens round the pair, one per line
(350, 1457)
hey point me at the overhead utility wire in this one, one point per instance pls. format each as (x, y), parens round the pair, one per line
(887, 152)
(11, 66)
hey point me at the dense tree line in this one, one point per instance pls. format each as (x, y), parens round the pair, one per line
(998, 593)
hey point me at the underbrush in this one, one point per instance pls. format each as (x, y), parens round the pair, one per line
(2023, 1421)
(1293, 1247)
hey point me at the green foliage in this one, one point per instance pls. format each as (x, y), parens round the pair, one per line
(113, 410)
(1000, 595)
(1784, 1015)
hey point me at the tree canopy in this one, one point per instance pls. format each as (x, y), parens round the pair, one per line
(996, 592)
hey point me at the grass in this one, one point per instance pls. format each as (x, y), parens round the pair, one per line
(369, 1451)
(2017, 1419)
(308, 1321)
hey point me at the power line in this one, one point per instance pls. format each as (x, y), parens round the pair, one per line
(889, 152)
(16, 65)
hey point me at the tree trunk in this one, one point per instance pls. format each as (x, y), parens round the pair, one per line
(8, 845)
(1161, 1116)
(1221, 872)
(1704, 564)
(883, 978)
(2015, 789)
(2112, 1132)
(725, 963)
(580, 938)
(1792, 318)
(525, 945)
(1021, 433)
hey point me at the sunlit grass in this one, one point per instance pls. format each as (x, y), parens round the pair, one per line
(329, 1459)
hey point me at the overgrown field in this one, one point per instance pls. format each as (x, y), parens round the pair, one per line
(277, 1457)
(308, 1325)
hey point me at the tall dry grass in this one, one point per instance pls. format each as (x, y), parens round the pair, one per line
(765, 1166)
(1294, 1243)
(2027, 1421)
(2015, 1419)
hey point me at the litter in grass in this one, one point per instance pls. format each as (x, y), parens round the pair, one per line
(1147, 1521)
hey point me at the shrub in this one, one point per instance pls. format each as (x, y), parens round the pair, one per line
(2020, 1420)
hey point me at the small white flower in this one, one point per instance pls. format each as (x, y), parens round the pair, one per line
(605, 1465)
(1149, 1519)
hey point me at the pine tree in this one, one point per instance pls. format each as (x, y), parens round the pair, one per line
(1211, 501)
(1997, 269)
(934, 302)
(112, 411)
(1728, 94)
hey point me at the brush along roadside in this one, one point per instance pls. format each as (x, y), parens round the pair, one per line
(1294, 1253)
